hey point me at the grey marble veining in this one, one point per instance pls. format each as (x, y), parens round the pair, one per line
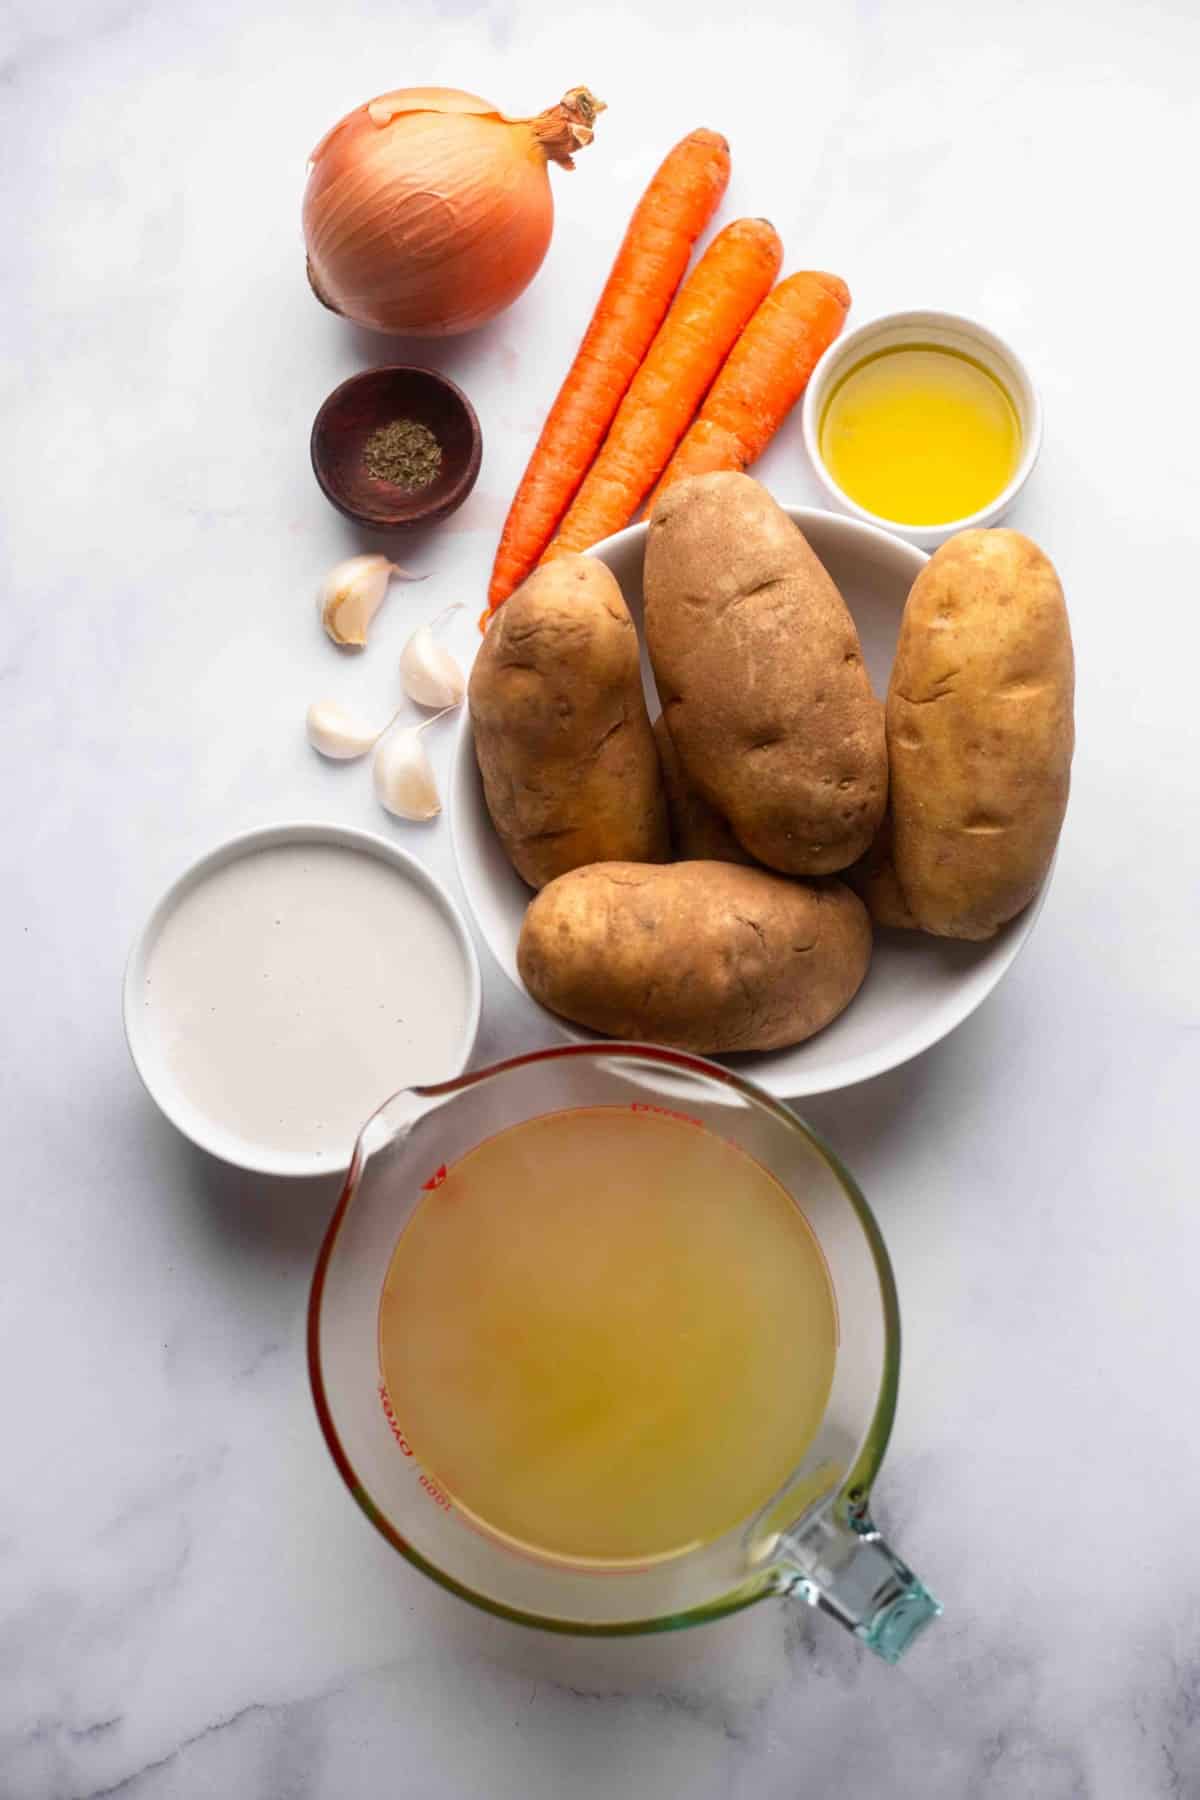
(189, 1604)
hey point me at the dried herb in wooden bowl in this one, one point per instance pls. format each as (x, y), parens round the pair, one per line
(405, 452)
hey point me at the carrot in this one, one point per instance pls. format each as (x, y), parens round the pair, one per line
(667, 220)
(765, 374)
(709, 312)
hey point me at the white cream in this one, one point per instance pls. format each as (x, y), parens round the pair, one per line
(293, 989)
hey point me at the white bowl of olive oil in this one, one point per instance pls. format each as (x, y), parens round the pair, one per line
(922, 422)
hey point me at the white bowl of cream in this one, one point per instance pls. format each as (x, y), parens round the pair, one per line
(289, 982)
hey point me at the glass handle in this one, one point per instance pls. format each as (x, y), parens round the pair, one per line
(843, 1566)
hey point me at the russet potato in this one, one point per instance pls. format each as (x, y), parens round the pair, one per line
(562, 737)
(698, 832)
(705, 956)
(761, 676)
(980, 733)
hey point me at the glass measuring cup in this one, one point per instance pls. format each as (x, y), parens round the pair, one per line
(813, 1539)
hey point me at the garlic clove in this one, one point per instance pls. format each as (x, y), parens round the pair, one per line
(336, 734)
(404, 779)
(429, 674)
(405, 783)
(350, 596)
(352, 593)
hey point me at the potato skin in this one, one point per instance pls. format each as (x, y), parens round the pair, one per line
(873, 878)
(980, 732)
(761, 675)
(703, 956)
(562, 736)
(698, 832)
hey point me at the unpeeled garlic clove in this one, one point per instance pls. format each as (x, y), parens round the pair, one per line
(333, 731)
(404, 779)
(352, 593)
(428, 672)
(405, 783)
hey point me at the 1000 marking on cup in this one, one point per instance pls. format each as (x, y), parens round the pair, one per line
(426, 1481)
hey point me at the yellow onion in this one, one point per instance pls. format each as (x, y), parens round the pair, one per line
(427, 211)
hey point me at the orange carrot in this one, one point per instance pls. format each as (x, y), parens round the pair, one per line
(668, 219)
(709, 312)
(764, 376)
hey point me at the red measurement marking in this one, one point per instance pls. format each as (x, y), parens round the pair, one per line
(666, 1112)
(435, 1180)
(435, 1493)
(393, 1422)
(431, 1487)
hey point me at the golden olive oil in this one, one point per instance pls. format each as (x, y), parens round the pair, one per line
(608, 1335)
(921, 435)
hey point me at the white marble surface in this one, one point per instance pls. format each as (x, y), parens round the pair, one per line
(189, 1603)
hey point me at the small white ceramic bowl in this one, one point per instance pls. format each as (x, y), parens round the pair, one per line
(918, 988)
(892, 332)
(148, 1053)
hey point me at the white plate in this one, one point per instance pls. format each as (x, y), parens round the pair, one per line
(145, 1045)
(918, 988)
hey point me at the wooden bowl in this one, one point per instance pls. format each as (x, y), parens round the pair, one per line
(377, 397)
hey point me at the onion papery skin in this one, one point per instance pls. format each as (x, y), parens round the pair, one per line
(433, 221)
